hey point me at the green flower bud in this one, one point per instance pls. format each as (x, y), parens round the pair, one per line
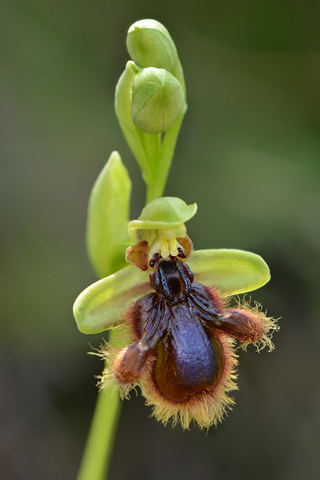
(157, 99)
(150, 45)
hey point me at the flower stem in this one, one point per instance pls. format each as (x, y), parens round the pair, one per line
(157, 184)
(99, 446)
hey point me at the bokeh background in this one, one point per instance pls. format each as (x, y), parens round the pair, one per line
(248, 154)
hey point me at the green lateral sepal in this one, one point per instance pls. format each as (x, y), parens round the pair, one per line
(231, 271)
(102, 305)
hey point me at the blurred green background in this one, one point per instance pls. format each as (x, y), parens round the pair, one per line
(248, 154)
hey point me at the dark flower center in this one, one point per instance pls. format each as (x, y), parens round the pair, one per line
(176, 322)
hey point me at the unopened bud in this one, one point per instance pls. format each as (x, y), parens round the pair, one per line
(157, 99)
(150, 45)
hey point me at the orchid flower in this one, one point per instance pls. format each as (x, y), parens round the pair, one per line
(174, 303)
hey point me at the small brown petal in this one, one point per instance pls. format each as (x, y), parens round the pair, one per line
(138, 255)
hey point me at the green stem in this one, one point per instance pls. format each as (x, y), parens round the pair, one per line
(156, 186)
(99, 446)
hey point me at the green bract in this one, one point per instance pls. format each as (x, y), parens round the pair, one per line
(157, 99)
(133, 135)
(108, 216)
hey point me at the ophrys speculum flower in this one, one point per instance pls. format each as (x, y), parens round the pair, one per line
(173, 301)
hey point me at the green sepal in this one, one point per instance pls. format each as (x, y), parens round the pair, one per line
(102, 304)
(166, 213)
(108, 216)
(231, 271)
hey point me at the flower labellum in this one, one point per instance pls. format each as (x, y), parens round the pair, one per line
(183, 353)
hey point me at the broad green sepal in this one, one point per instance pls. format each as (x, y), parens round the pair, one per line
(157, 99)
(102, 305)
(166, 213)
(231, 271)
(108, 217)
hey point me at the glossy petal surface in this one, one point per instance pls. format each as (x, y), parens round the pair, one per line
(231, 271)
(102, 305)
